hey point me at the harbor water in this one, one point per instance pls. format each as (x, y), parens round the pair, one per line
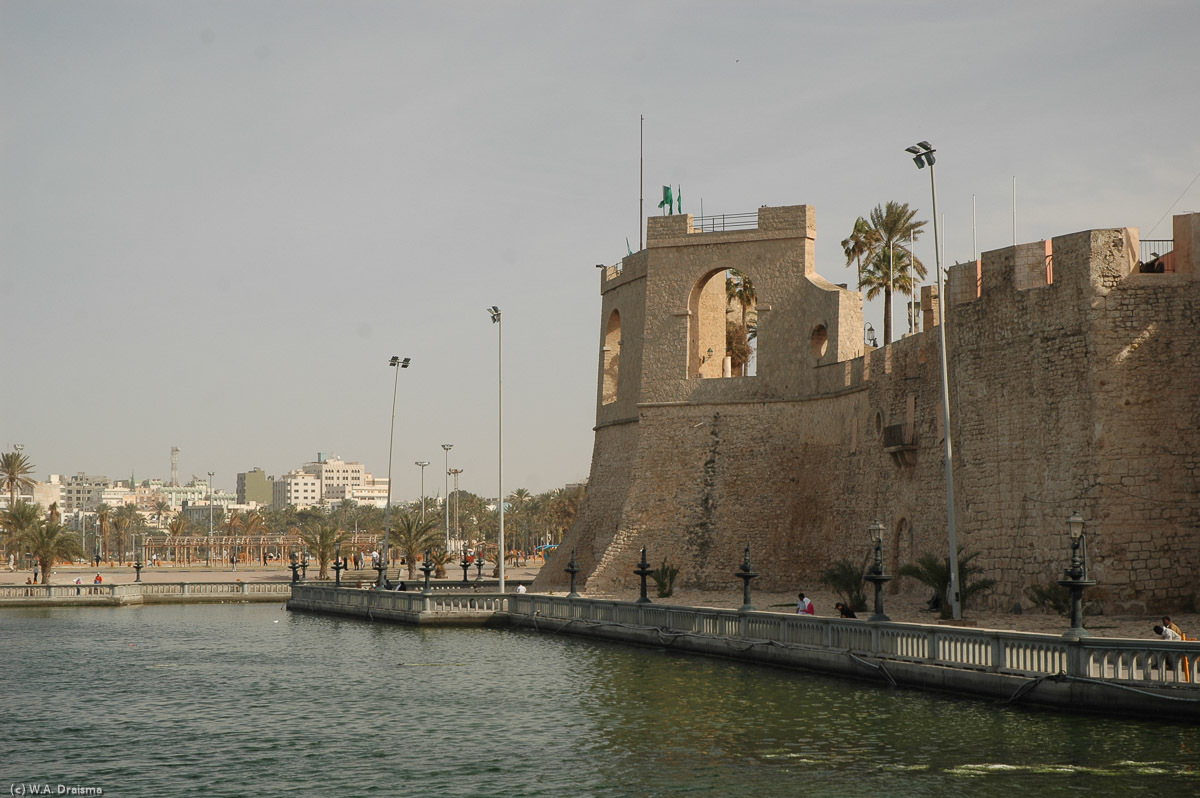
(248, 699)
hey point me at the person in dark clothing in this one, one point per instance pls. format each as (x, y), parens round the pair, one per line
(845, 610)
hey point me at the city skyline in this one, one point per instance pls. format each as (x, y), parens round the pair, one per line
(219, 221)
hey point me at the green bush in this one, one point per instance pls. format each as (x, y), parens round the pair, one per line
(846, 579)
(1053, 597)
(664, 578)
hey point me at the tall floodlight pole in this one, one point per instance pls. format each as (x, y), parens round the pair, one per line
(922, 154)
(457, 526)
(446, 447)
(422, 464)
(210, 516)
(495, 311)
(396, 363)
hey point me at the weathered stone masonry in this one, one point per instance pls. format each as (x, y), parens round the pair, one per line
(1074, 385)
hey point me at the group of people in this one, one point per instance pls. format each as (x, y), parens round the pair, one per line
(805, 607)
(1169, 631)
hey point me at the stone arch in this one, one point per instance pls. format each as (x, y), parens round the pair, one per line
(710, 310)
(612, 359)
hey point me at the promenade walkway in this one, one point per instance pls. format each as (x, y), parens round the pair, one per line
(901, 608)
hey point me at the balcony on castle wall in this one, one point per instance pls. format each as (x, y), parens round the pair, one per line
(1156, 255)
(901, 443)
(725, 221)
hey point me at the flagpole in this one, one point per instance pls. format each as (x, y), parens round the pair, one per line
(641, 157)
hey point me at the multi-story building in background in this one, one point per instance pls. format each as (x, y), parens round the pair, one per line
(298, 488)
(81, 491)
(255, 486)
(334, 472)
(374, 494)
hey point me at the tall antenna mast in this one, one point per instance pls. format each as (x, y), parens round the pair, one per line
(174, 466)
(641, 196)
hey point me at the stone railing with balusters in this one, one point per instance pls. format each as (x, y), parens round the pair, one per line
(142, 593)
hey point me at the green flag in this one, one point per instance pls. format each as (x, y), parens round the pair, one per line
(629, 248)
(668, 200)
(679, 199)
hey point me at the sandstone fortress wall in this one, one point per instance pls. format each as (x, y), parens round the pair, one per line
(1074, 381)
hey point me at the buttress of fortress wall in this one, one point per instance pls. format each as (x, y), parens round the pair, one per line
(709, 480)
(596, 530)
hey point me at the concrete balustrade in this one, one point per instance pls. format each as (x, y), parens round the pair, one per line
(1109, 675)
(141, 593)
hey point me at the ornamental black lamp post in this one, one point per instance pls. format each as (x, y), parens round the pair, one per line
(478, 567)
(1075, 578)
(572, 569)
(295, 566)
(137, 565)
(643, 570)
(339, 565)
(745, 572)
(380, 567)
(875, 574)
(465, 565)
(304, 566)
(426, 568)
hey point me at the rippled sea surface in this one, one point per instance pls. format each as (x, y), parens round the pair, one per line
(241, 699)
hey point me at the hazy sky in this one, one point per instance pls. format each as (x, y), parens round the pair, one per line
(219, 219)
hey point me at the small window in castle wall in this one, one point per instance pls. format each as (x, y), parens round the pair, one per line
(612, 359)
(819, 341)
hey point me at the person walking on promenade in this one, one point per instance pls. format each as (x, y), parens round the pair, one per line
(845, 610)
(804, 606)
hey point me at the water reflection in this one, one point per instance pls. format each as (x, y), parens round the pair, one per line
(235, 698)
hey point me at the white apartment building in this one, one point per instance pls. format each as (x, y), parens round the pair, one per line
(334, 472)
(374, 494)
(299, 489)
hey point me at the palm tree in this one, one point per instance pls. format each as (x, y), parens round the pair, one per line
(162, 508)
(934, 572)
(858, 244)
(178, 527)
(18, 520)
(254, 524)
(14, 468)
(322, 537)
(50, 541)
(232, 523)
(413, 536)
(127, 519)
(892, 228)
(104, 524)
(739, 289)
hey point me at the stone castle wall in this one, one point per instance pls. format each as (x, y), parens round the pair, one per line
(1074, 386)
